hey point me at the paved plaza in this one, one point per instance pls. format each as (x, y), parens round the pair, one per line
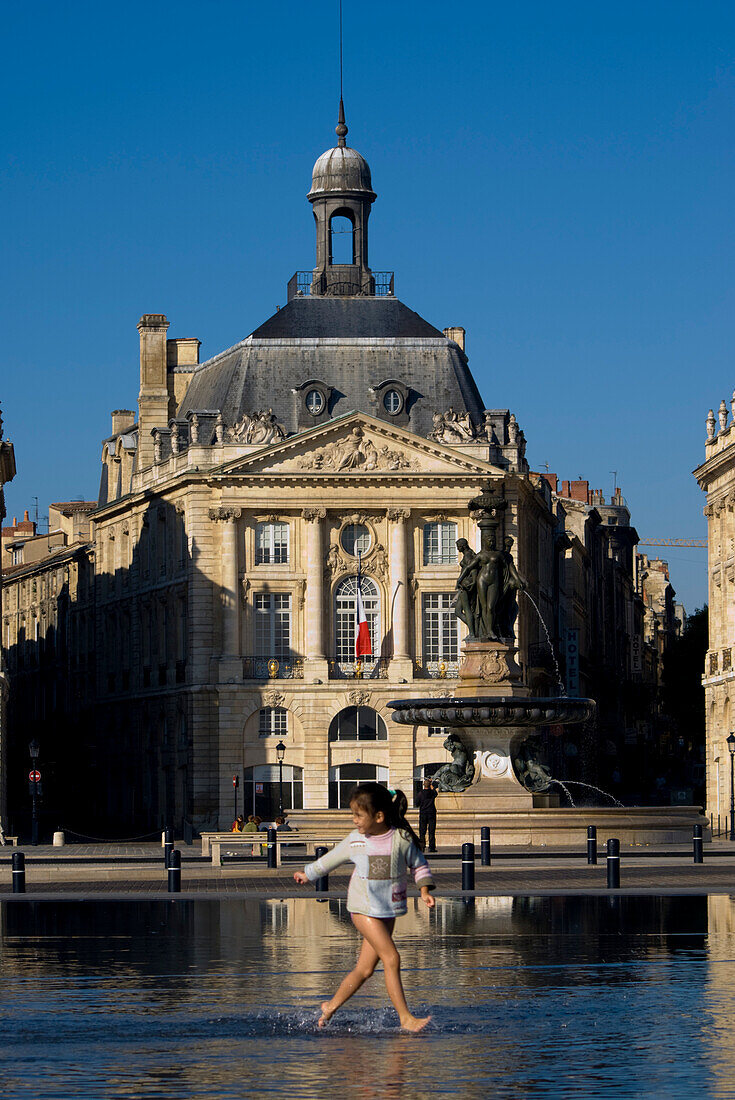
(127, 872)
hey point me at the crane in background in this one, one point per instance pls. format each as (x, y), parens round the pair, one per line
(698, 544)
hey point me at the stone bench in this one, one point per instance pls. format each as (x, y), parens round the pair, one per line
(12, 841)
(213, 844)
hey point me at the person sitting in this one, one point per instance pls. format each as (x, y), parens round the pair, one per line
(238, 824)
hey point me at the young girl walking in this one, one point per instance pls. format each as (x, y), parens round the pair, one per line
(383, 847)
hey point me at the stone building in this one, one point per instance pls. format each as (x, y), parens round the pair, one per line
(7, 473)
(716, 477)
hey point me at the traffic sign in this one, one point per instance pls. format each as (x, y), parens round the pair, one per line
(34, 776)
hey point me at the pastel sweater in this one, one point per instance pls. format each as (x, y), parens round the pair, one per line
(378, 883)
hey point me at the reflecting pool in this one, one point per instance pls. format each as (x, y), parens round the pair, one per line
(550, 997)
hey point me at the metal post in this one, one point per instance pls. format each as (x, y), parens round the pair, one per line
(468, 866)
(19, 873)
(168, 845)
(321, 885)
(613, 864)
(697, 844)
(280, 788)
(732, 796)
(271, 849)
(592, 844)
(174, 872)
(485, 845)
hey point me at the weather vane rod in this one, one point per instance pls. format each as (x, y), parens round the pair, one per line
(340, 49)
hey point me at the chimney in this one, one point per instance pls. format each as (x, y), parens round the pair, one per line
(580, 490)
(153, 400)
(457, 335)
(122, 419)
(182, 357)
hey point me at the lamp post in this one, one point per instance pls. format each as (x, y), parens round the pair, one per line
(731, 747)
(34, 750)
(280, 753)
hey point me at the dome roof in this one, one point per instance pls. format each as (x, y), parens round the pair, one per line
(341, 169)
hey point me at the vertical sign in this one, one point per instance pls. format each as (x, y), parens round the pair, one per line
(636, 656)
(572, 656)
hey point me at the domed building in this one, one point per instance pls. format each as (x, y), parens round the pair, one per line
(334, 447)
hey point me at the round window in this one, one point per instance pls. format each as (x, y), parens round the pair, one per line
(314, 402)
(393, 402)
(355, 539)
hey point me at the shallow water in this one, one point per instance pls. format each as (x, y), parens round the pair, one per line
(555, 997)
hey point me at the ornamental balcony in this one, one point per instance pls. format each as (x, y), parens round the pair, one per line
(272, 667)
(367, 668)
(440, 669)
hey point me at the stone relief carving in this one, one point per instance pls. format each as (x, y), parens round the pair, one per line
(244, 588)
(494, 669)
(194, 428)
(452, 427)
(377, 563)
(225, 513)
(334, 563)
(722, 415)
(359, 698)
(257, 427)
(301, 591)
(274, 698)
(442, 693)
(310, 514)
(219, 429)
(357, 452)
(397, 515)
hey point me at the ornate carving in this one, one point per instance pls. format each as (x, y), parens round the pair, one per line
(175, 439)
(244, 588)
(311, 514)
(722, 415)
(493, 764)
(458, 775)
(377, 563)
(259, 427)
(356, 452)
(413, 584)
(194, 428)
(513, 430)
(335, 563)
(301, 591)
(442, 693)
(494, 668)
(219, 429)
(274, 698)
(452, 427)
(225, 513)
(398, 515)
(710, 422)
(359, 698)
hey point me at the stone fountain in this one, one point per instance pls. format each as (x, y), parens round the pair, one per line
(494, 777)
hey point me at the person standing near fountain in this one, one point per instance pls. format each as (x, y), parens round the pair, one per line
(383, 847)
(426, 803)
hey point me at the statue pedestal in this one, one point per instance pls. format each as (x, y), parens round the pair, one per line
(490, 668)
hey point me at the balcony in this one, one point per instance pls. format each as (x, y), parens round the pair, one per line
(366, 669)
(713, 664)
(726, 660)
(299, 285)
(273, 668)
(442, 669)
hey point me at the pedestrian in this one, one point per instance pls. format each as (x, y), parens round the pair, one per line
(383, 847)
(426, 802)
(238, 824)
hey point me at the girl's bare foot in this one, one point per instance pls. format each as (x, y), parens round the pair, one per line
(326, 1015)
(414, 1023)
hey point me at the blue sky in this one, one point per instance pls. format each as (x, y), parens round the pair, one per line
(558, 179)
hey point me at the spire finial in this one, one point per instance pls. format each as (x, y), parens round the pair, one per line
(341, 127)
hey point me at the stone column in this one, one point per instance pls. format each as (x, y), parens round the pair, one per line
(316, 668)
(401, 663)
(229, 593)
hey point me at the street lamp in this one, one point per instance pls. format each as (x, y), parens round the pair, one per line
(34, 750)
(731, 747)
(280, 753)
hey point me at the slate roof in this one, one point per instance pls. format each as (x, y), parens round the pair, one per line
(351, 344)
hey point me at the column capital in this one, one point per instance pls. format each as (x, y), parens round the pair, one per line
(225, 513)
(311, 514)
(398, 515)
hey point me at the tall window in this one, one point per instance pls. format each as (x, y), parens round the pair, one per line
(262, 784)
(357, 724)
(273, 722)
(273, 624)
(341, 240)
(439, 543)
(346, 616)
(344, 777)
(439, 627)
(271, 544)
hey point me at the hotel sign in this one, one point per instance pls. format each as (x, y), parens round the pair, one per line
(572, 661)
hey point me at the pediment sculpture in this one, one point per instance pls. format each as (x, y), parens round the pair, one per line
(260, 427)
(452, 427)
(357, 452)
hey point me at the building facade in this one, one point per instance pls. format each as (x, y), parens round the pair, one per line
(7, 473)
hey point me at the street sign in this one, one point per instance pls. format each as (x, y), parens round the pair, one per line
(236, 781)
(34, 776)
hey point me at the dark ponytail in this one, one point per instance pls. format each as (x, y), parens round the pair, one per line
(374, 798)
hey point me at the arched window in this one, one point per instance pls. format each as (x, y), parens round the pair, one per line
(341, 240)
(273, 722)
(344, 777)
(345, 627)
(357, 724)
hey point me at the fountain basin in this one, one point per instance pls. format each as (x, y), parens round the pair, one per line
(492, 711)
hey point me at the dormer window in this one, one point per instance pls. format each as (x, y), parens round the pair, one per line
(315, 402)
(391, 399)
(392, 402)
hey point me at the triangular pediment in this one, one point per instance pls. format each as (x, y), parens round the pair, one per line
(359, 444)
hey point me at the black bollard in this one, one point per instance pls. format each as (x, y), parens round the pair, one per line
(321, 885)
(19, 873)
(168, 845)
(174, 872)
(468, 866)
(592, 844)
(697, 844)
(485, 846)
(271, 849)
(613, 864)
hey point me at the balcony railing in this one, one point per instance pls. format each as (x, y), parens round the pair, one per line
(299, 285)
(365, 669)
(273, 668)
(713, 664)
(442, 669)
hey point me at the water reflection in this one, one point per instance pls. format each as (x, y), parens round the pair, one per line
(560, 996)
